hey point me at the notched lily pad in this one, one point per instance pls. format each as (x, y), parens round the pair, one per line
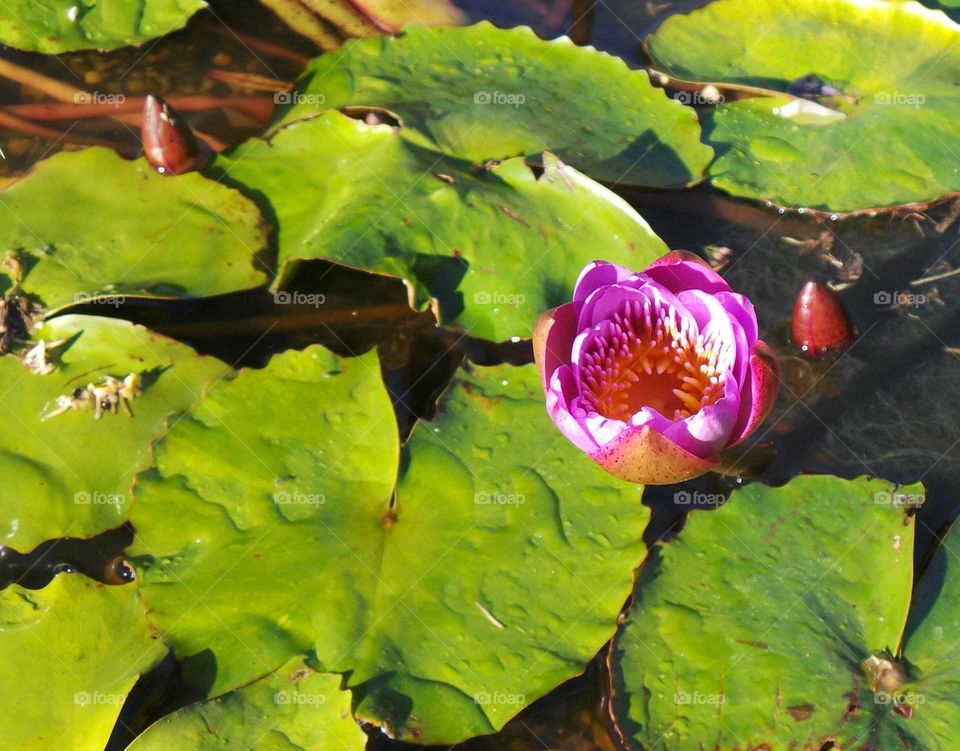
(294, 708)
(70, 474)
(91, 226)
(54, 26)
(494, 245)
(71, 652)
(779, 618)
(269, 529)
(483, 93)
(890, 72)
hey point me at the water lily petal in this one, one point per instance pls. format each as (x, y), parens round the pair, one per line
(680, 270)
(741, 309)
(641, 454)
(561, 392)
(603, 303)
(759, 394)
(710, 430)
(598, 274)
(713, 320)
(553, 337)
(604, 429)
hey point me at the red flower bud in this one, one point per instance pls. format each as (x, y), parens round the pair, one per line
(168, 143)
(819, 326)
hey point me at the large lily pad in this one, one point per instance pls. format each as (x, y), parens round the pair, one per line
(887, 140)
(54, 26)
(482, 93)
(494, 246)
(88, 223)
(760, 624)
(294, 709)
(71, 474)
(71, 652)
(268, 530)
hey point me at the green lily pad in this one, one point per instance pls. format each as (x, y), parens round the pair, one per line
(890, 138)
(55, 26)
(268, 530)
(294, 709)
(482, 93)
(758, 624)
(495, 247)
(90, 224)
(71, 652)
(70, 475)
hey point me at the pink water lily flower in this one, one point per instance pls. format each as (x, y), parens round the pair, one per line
(653, 374)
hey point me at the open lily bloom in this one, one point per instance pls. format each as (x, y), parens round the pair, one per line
(653, 374)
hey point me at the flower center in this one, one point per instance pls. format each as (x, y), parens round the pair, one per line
(645, 358)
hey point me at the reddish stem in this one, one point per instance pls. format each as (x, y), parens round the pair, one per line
(32, 129)
(257, 107)
(249, 80)
(262, 45)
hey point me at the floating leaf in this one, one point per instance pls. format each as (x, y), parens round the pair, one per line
(295, 708)
(765, 621)
(71, 652)
(88, 223)
(70, 475)
(268, 530)
(55, 26)
(494, 246)
(895, 65)
(482, 93)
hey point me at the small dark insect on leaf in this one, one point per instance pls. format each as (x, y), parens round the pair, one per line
(810, 86)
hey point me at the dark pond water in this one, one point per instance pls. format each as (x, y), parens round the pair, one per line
(884, 408)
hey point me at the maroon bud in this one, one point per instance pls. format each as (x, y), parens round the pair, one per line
(168, 143)
(819, 326)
